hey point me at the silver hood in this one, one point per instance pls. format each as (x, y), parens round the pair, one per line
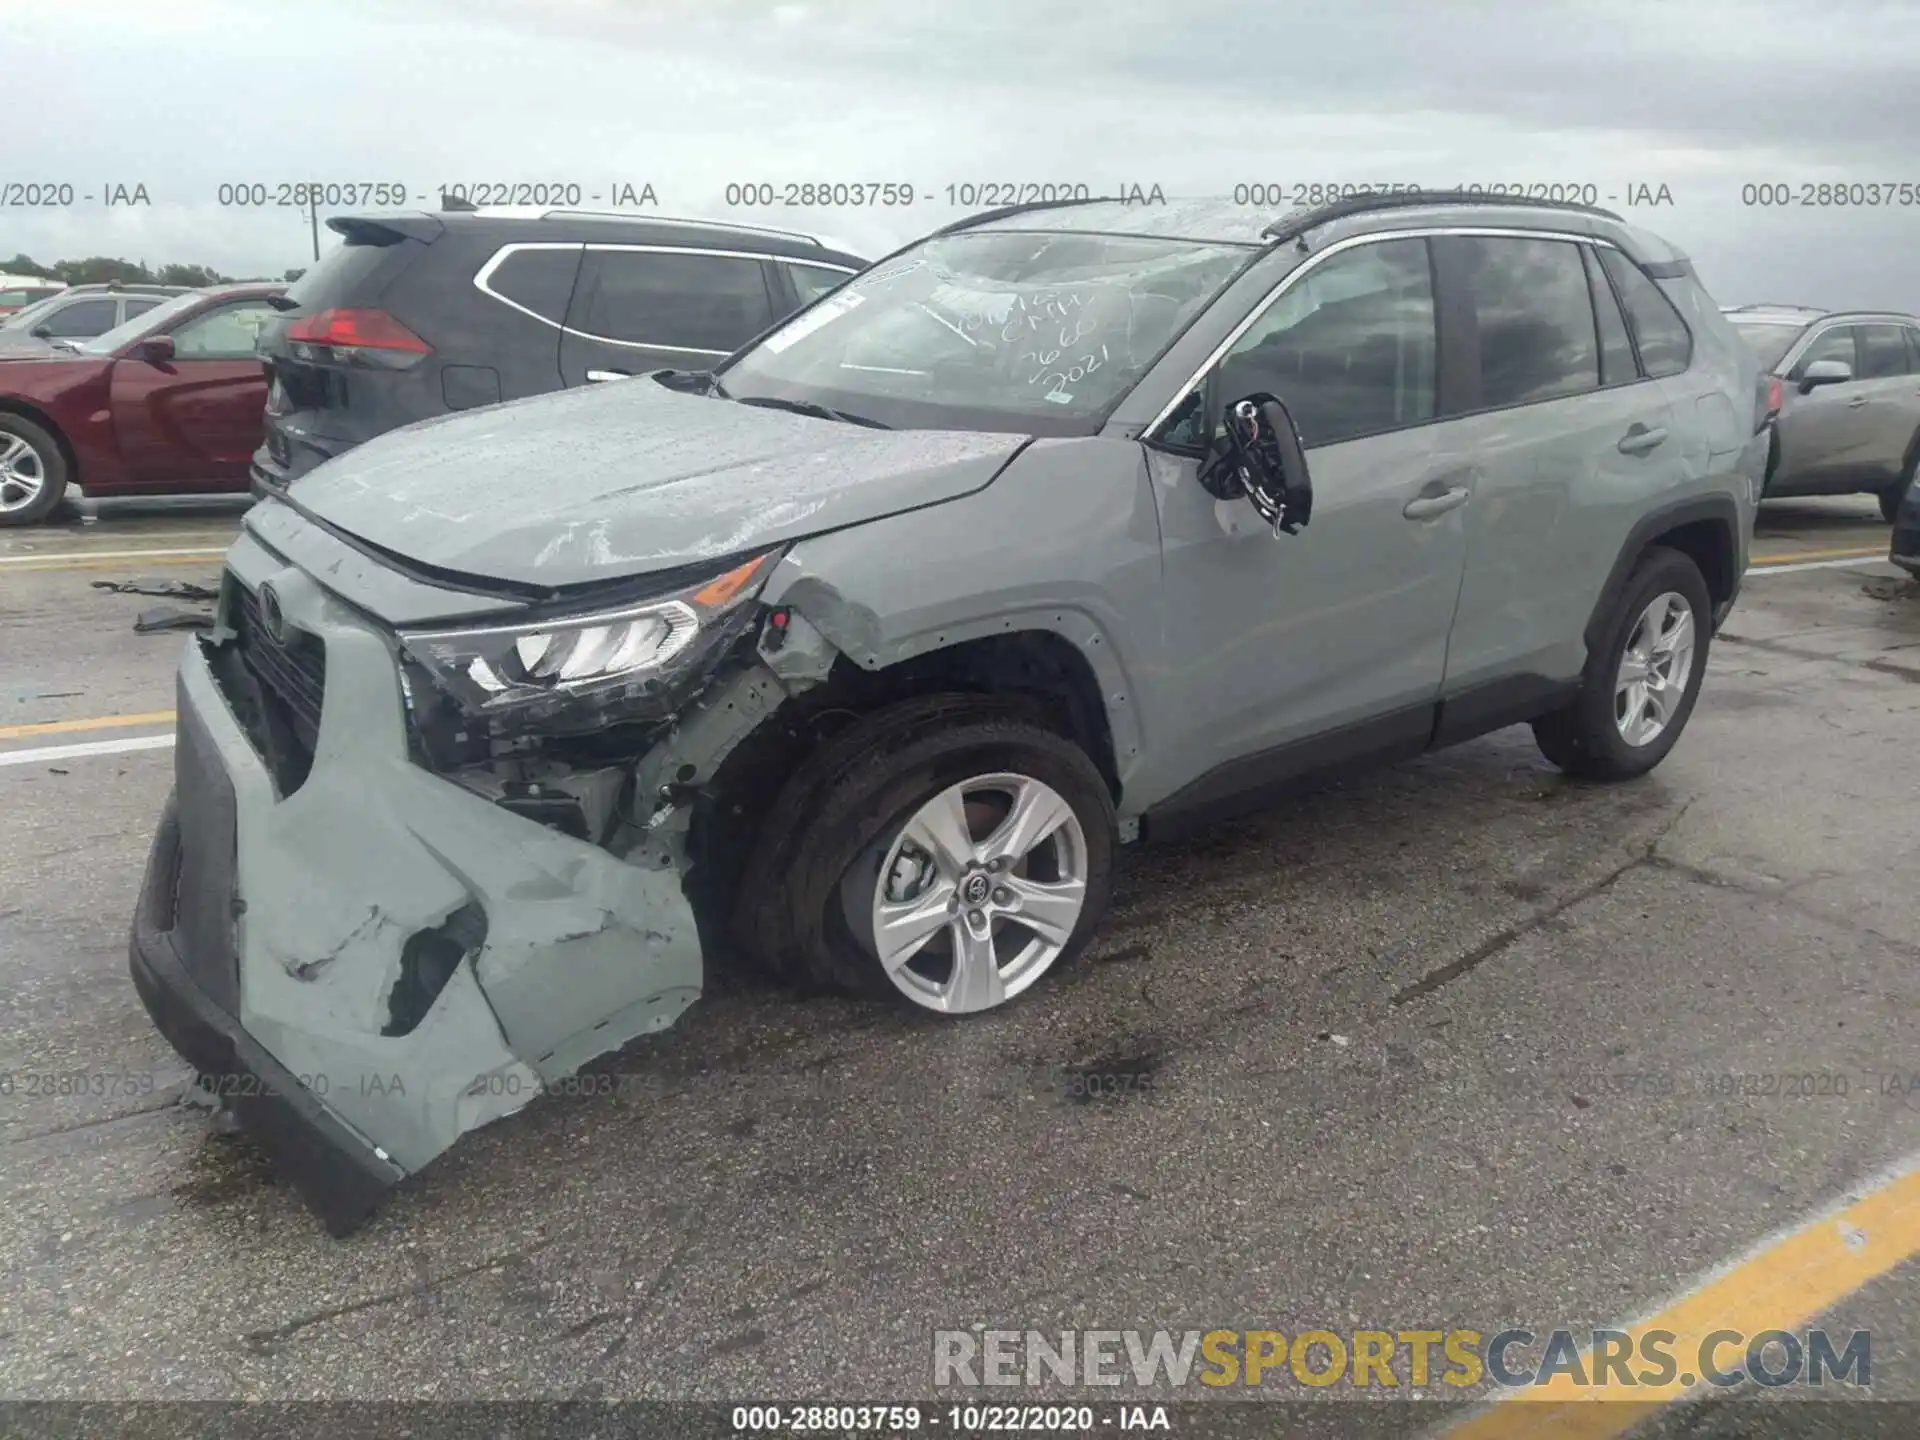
(624, 478)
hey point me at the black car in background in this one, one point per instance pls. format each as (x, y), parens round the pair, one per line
(418, 314)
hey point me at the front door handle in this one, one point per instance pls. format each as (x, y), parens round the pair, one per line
(609, 375)
(1425, 507)
(1856, 402)
(1639, 438)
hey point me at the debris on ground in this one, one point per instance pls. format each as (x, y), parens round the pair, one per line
(172, 617)
(159, 585)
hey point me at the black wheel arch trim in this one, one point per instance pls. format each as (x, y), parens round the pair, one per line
(1718, 508)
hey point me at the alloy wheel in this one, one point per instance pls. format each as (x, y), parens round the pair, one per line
(1655, 669)
(23, 474)
(976, 895)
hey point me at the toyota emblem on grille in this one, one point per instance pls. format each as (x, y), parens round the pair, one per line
(270, 614)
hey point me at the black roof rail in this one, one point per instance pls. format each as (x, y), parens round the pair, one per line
(967, 222)
(1288, 227)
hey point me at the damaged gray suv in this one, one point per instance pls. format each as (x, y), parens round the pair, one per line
(863, 653)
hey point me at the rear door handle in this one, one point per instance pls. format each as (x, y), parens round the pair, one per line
(609, 375)
(1641, 438)
(1425, 507)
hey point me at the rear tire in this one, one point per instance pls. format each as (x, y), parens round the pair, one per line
(33, 471)
(835, 849)
(1600, 734)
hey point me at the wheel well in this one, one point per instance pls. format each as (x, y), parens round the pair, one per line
(46, 422)
(1037, 671)
(1708, 544)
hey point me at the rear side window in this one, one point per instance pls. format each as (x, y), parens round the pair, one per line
(1883, 352)
(83, 319)
(140, 307)
(226, 333)
(1666, 345)
(674, 300)
(1535, 318)
(1616, 346)
(540, 280)
(810, 282)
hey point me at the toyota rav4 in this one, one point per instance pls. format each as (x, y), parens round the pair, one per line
(863, 652)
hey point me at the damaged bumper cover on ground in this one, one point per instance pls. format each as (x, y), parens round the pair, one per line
(380, 960)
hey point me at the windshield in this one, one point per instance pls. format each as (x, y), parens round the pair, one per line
(160, 316)
(1037, 333)
(1768, 339)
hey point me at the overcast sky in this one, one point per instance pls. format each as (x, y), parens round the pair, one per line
(1195, 96)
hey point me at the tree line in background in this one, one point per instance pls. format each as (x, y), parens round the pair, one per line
(100, 270)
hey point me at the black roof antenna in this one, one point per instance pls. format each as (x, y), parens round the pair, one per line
(456, 202)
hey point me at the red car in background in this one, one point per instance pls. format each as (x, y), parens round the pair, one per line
(172, 402)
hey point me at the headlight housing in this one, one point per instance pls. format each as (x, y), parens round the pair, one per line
(617, 654)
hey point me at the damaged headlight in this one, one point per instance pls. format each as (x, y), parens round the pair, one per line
(639, 649)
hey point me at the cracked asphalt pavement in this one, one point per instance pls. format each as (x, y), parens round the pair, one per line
(1344, 1063)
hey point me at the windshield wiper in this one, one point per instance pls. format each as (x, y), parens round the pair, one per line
(819, 412)
(63, 343)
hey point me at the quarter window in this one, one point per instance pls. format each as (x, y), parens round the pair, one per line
(1534, 314)
(1666, 345)
(1350, 348)
(714, 303)
(1616, 346)
(810, 282)
(538, 280)
(1883, 352)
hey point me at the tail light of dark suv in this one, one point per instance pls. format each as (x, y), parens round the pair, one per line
(356, 337)
(1772, 395)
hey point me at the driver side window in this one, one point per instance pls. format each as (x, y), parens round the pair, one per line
(1350, 348)
(224, 334)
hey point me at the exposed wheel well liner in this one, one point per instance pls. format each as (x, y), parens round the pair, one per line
(1038, 673)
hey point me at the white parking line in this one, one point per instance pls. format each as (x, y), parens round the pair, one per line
(1753, 570)
(209, 551)
(43, 754)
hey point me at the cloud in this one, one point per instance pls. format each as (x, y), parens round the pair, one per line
(692, 95)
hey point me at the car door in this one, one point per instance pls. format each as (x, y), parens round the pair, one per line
(1892, 413)
(1294, 650)
(193, 421)
(1819, 431)
(1566, 438)
(644, 307)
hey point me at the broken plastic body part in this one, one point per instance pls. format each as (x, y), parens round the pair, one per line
(419, 954)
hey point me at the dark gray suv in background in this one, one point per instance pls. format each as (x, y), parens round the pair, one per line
(865, 650)
(1847, 390)
(418, 314)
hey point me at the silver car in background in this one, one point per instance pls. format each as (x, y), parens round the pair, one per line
(1848, 396)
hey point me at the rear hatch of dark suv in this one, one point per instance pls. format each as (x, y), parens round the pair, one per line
(383, 332)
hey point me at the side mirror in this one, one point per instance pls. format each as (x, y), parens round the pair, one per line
(1260, 457)
(41, 332)
(1825, 372)
(156, 349)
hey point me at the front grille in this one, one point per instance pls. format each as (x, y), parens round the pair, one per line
(293, 672)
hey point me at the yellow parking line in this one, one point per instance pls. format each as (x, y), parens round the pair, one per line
(97, 722)
(1789, 556)
(1783, 1285)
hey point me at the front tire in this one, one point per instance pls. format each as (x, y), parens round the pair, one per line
(1642, 680)
(947, 852)
(33, 471)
